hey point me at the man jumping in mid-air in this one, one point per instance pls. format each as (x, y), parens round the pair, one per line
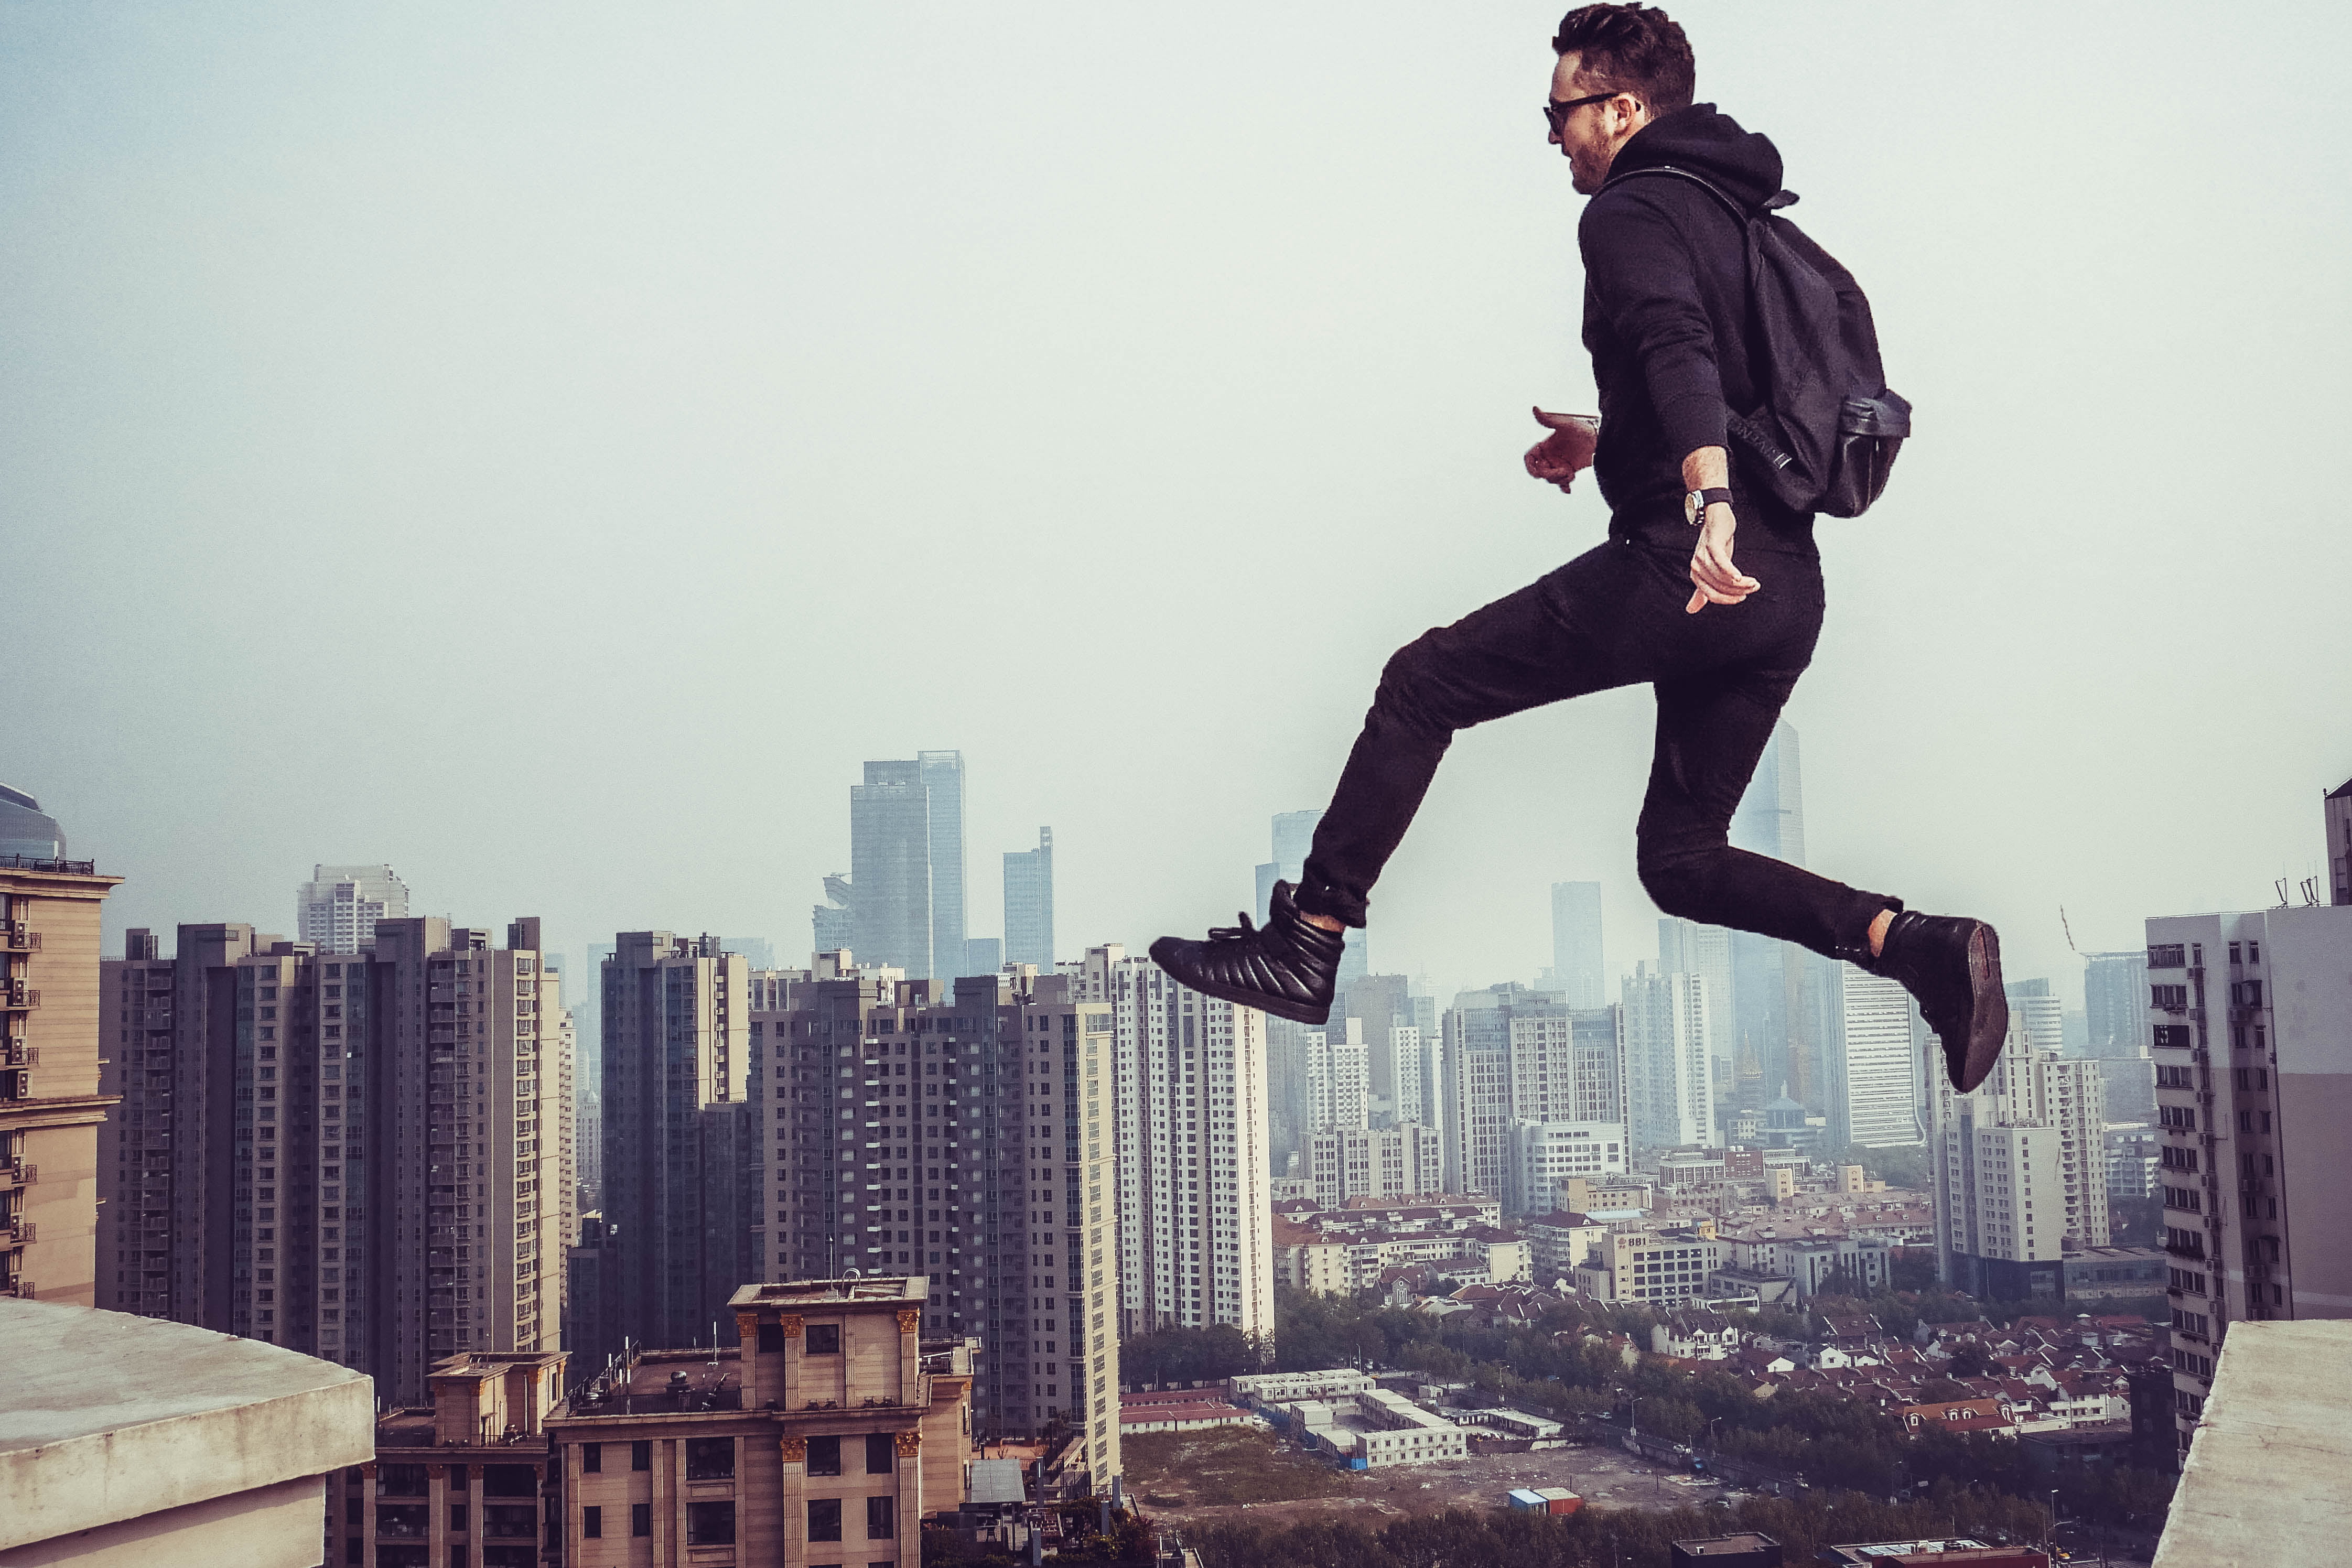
(1667, 319)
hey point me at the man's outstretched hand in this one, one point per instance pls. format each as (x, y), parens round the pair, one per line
(1567, 452)
(1716, 581)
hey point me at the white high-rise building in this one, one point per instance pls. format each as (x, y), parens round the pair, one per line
(1871, 1071)
(1687, 947)
(1545, 1155)
(2042, 1014)
(2021, 1172)
(1194, 1150)
(1332, 1060)
(339, 906)
(1669, 1067)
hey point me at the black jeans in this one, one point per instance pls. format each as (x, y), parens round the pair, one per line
(1612, 617)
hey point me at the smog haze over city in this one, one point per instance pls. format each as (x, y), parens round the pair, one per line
(548, 449)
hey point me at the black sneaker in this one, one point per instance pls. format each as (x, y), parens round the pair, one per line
(1289, 968)
(1952, 965)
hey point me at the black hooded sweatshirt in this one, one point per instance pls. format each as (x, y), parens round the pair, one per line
(1667, 319)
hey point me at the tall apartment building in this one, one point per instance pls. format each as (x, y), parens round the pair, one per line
(1344, 1164)
(2252, 1026)
(1293, 838)
(358, 1156)
(2114, 996)
(1576, 965)
(54, 1100)
(1526, 1058)
(964, 1133)
(679, 1144)
(1028, 905)
(1870, 1076)
(337, 908)
(1334, 1087)
(1669, 1063)
(2020, 1172)
(1195, 1156)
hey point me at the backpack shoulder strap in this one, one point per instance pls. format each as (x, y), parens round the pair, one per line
(1701, 181)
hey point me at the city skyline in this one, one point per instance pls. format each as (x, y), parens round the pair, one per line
(763, 430)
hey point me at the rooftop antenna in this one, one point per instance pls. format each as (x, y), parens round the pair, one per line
(2281, 884)
(2311, 890)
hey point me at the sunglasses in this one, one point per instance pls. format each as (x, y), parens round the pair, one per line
(1556, 112)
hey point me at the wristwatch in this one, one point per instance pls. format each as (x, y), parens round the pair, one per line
(1697, 502)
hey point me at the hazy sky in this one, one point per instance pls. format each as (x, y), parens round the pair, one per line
(550, 447)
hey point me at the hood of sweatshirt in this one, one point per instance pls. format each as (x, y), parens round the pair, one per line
(1744, 165)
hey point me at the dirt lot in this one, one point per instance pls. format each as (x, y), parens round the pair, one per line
(1230, 1472)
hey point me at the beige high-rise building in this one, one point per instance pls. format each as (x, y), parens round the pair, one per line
(52, 1101)
(825, 1434)
(354, 1155)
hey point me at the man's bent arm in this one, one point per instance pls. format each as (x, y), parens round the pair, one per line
(1708, 468)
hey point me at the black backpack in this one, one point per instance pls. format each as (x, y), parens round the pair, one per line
(1828, 427)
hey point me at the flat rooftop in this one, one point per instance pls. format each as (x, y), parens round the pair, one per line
(105, 1416)
(2263, 1481)
(914, 1289)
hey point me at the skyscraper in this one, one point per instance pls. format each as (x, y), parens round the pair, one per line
(1576, 961)
(53, 1092)
(942, 776)
(2253, 1061)
(1029, 903)
(2045, 1015)
(1870, 1068)
(904, 894)
(1334, 1092)
(358, 1156)
(1687, 947)
(890, 868)
(1769, 1002)
(1669, 1063)
(963, 1131)
(679, 1141)
(833, 925)
(339, 906)
(1294, 840)
(26, 831)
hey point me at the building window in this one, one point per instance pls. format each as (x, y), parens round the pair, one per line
(591, 1459)
(710, 1523)
(709, 1459)
(822, 1339)
(591, 1523)
(881, 1517)
(457, 1518)
(825, 1518)
(641, 1519)
(641, 1455)
(881, 1454)
(825, 1457)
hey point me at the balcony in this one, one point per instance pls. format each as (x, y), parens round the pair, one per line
(16, 1053)
(37, 863)
(16, 937)
(16, 996)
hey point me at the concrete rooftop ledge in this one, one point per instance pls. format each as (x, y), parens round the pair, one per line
(108, 1420)
(2269, 1475)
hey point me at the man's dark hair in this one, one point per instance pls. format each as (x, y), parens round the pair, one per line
(1637, 49)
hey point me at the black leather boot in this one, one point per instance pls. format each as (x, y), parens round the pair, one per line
(1952, 965)
(1290, 968)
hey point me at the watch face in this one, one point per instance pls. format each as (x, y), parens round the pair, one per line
(1694, 502)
